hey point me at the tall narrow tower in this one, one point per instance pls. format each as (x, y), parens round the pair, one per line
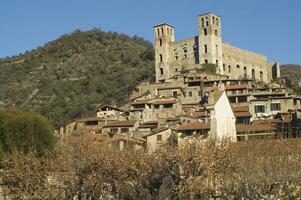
(210, 40)
(164, 36)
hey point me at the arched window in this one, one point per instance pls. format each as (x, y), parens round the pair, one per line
(245, 72)
(229, 68)
(253, 74)
(261, 76)
(158, 30)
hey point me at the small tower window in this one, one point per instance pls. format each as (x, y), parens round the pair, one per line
(206, 48)
(185, 49)
(253, 74)
(245, 72)
(229, 68)
(213, 20)
(161, 71)
(160, 42)
(158, 30)
(170, 31)
(207, 23)
(238, 66)
(261, 76)
(217, 23)
(205, 31)
(161, 58)
(162, 30)
(203, 22)
(224, 67)
(167, 31)
(206, 61)
(216, 32)
(216, 63)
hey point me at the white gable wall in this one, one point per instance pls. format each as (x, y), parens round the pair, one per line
(223, 120)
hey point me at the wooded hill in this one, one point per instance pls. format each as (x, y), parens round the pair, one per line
(69, 77)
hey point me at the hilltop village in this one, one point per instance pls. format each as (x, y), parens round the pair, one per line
(204, 89)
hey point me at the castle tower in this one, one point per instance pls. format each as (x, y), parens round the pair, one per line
(164, 36)
(210, 40)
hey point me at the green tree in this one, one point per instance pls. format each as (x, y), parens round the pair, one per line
(25, 132)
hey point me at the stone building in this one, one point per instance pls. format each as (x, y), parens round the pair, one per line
(175, 57)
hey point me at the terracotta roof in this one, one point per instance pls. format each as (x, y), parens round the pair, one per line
(193, 126)
(149, 124)
(136, 109)
(104, 106)
(163, 101)
(242, 114)
(120, 124)
(169, 88)
(248, 128)
(236, 86)
(241, 109)
(155, 131)
(85, 119)
(141, 101)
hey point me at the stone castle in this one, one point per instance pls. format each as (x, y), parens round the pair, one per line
(173, 57)
(238, 98)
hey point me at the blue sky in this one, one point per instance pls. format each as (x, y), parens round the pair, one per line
(269, 27)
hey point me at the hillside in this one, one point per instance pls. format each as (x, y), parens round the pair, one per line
(69, 77)
(292, 72)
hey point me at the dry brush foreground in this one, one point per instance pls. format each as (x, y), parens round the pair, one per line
(82, 169)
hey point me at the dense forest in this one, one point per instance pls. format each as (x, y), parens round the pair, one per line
(71, 76)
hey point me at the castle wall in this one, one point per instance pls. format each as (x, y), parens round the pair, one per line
(183, 54)
(242, 62)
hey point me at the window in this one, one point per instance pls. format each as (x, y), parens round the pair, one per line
(91, 123)
(190, 93)
(217, 23)
(229, 68)
(162, 30)
(207, 23)
(259, 109)
(206, 61)
(160, 42)
(205, 31)
(185, 49)
(158, 31)
(170, 31)
(213, 20)
(245, 72)
(199, 93)
(168, 105)
(253, 74)
(275, 107)
(216, 63)
(161, 58)
(216, 32)
(124, 130)
(159, 138)
(161, 71)
(156, 106)
(167, 31)
(174, 93)
(176, 57)
(113, 130)
(261, 76)
(224, 67)
(237, 66)
(203, 22)
(206, 48)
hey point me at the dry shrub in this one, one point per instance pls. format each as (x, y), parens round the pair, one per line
(84, 169)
